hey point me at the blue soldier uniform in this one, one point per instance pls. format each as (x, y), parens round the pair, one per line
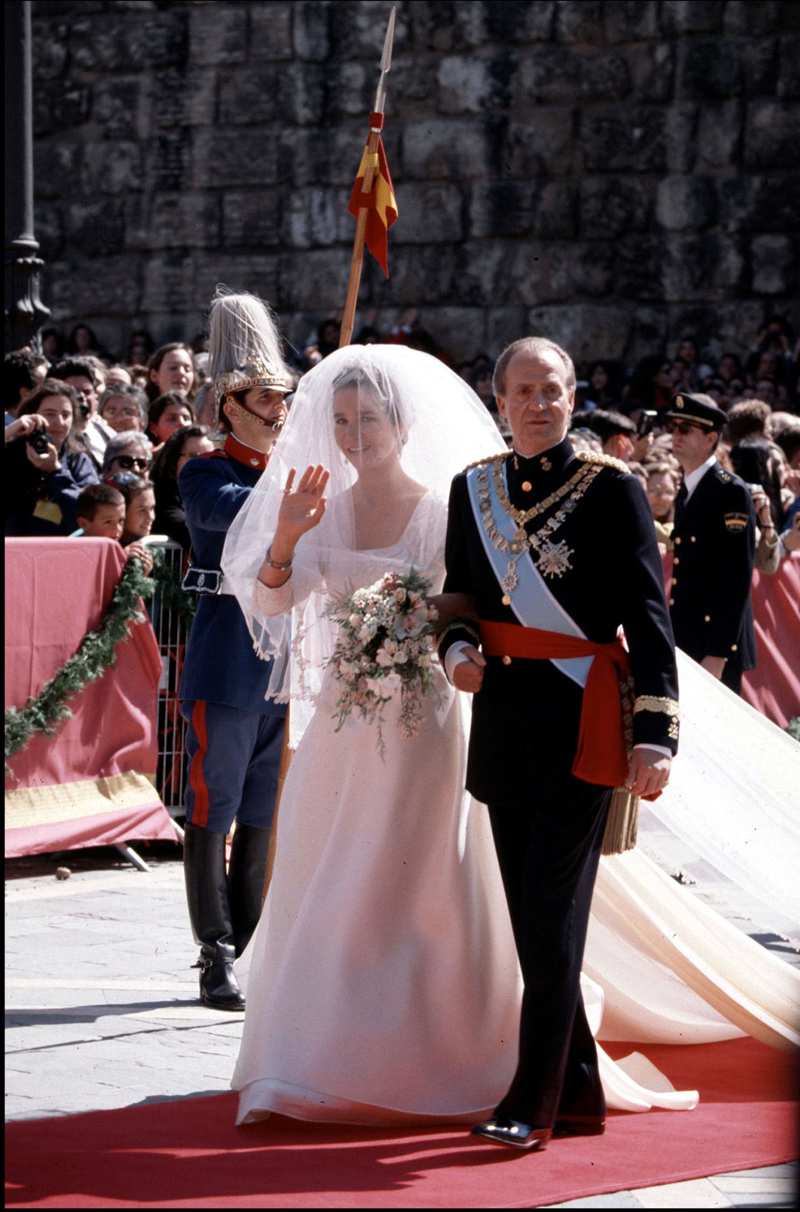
(234, 735)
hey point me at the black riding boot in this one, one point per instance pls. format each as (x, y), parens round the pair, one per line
(210, 915)
(246, 874)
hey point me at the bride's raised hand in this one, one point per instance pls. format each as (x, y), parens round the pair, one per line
(302, 508)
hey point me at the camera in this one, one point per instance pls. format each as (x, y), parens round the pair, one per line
(39, 441)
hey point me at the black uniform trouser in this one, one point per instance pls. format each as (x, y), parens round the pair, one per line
(549, 845)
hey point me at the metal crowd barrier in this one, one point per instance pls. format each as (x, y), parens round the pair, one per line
(171, 632)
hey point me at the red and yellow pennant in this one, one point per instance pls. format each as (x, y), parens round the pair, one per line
(380, 203)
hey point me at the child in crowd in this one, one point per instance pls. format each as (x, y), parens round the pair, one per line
(100, 512)
(140, 508)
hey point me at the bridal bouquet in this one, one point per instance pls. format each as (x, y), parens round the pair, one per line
(384, 646)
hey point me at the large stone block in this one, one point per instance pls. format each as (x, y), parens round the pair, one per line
(326, 156)
(764, 204)
(311, 29)
(680, 136)
(613, 206)
(49, 49)
(96, 228)
(482, 271)
(544, 147)
(504, 325)
(586, 330)
(460, 331)
(613, 140)
(745, 17)
(257, 273)
(116, 107)
(428, 213)
(168, 282)
(270, 34)
(348, 89)
(113, 167)
(789, 77)
(251, 218)
(542, 272)
(647, 332)
(57, 165)
(702, 267)
(638, 267)
(579, 21)
(358, 30)
(686, 202)
(501, 208)
(315, 282)
(105, 286)
(774, 263)
(272, 92)
(422, 275)
(169, 159)
(652, 69)
(186, 219)
(719, 134)
(446, 25)
(554, 74)
(233, 157)
(315, 216)
(410, 82)
(630, 20)
(175, 99)
(441, 150)
(709, 70)
(136, 40)
(759, 57)
(772, 134)
(56, 107)
(594, 269)
(464, 85)
(691, 16)
(218, 33)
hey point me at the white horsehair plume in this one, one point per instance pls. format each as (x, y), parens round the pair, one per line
(242, 336)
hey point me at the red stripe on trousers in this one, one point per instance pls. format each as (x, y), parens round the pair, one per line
(197, 780)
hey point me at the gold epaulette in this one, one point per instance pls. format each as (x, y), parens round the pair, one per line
(487, 459)
(602, 460)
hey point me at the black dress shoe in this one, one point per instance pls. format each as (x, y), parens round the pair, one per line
(513, 1132)
(579, 1125)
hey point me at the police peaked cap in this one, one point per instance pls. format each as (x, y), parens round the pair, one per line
(700, 409)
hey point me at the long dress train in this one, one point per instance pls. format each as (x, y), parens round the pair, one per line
(382, 980)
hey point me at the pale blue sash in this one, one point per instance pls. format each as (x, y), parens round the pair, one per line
(531, 601)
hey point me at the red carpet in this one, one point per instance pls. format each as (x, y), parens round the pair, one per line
(187, 1153)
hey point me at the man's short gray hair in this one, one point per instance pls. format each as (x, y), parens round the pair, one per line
(531, 345)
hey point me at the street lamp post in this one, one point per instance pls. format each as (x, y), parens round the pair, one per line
(24, 310)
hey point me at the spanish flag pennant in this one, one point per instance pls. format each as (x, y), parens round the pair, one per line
(380, 201)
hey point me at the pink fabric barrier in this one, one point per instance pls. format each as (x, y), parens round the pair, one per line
(773, 687)
(90, 783)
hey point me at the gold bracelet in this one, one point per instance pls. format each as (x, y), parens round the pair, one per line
(274, 563)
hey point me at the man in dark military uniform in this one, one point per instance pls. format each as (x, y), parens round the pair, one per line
(235, 735)
(714, 540)
(557, 552)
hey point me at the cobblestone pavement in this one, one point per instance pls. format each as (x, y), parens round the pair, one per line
(102, 1011)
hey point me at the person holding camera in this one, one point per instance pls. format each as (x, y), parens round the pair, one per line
(43, 476)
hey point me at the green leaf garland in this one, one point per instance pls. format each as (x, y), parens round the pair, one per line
(97, 652)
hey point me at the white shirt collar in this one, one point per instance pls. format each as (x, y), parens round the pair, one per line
(694, 477)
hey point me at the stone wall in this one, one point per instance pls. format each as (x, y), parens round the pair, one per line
(610, 172)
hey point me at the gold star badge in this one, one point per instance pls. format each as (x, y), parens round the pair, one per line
(546, 464)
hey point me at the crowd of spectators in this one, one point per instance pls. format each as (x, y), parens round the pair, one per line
(79, 421)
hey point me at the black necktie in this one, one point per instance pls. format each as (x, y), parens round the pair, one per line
(680, 500)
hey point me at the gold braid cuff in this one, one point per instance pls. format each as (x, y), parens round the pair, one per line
(652, 702)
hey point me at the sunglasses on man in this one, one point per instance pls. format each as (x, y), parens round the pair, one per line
(685, 427)
(129, 462)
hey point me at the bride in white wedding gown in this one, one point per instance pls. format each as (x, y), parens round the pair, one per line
(382, 980)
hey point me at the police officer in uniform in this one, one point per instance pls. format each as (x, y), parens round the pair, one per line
(714, 539)
(234, 736)
(556, 550)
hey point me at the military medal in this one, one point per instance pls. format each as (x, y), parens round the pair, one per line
(554, 559)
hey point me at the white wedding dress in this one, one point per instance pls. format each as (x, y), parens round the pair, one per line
(382, 981)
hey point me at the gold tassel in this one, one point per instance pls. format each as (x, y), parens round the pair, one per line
(622, 823)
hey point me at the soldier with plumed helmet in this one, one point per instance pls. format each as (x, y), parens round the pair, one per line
(234, 735)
